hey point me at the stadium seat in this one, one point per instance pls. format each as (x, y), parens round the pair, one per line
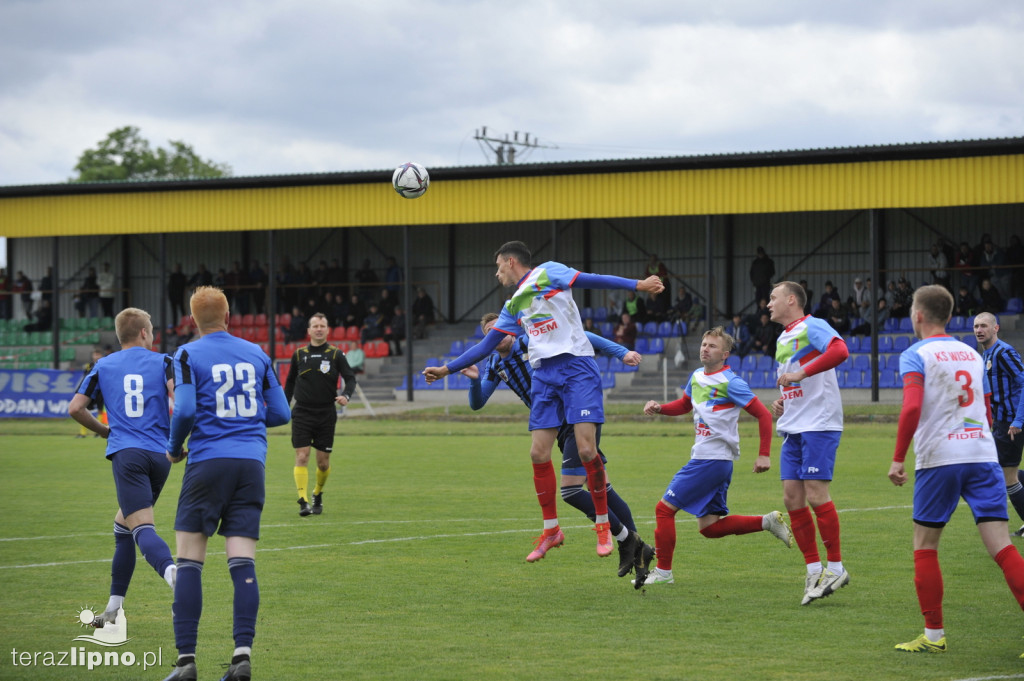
(884, 344)
(338, 333)
(478, 332)
(419, 382)
(749, 363)
(607, 380)
(891, 325)
(248, 320)
(956, 323)
(458, 381)
(587, 313)
(457, 348)
(887, 378)
(845, 365)
(900, 343)
(970, 340)
(855, 379)
(606, 329)
(853, 344)
(1014, 306)
(602, 363)
(906, 326)
(261, 319)
(765, 362)
(352, 333)
(236, 320)
(281, 351)
(862, 363)
(892, 362)
(261, 333)
(642, 345)
(649, 329)
(665, 330)
(655, 346)
(618, 366)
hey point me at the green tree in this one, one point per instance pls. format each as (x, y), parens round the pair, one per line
(125, 155)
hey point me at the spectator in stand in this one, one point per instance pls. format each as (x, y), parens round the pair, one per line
(625, 332)
(964, 264)
(237, 282)
(202, 277)
(882, 312)
(373, 325)
(330, 309)
(754, 318)
(258, 287)
(657, 306)
(695, 319)
(44, 318)
(824, 308)
(809, 296)
(762, 270)
(176, 285)
(367, 279)
(392, 277)
(860, 297)
(5, 294)
(320, 276)
(657, 268)
(680, 310)
(386, 304)
(993, 263)
(221, 278)
(966, 305)
(740, 334)
(356, 311)
(422, 313)
(46, 285)
(23, 287)
(304, 280)
(768, 333)
(295, 332)
(89, 296)
(635, 308)
(1014, 257)
(991, 300)
(588, 326)
(336, 277)
(902, 298)
(939, 267)
(838, 317)
(394, 333)
(105, 284)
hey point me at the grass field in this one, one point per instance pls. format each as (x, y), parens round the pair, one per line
(416, 568)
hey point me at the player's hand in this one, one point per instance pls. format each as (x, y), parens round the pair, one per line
(178, 459)
(435, 373)
(632, 358)
(471, 372)
(1013, 431)
(341, 400)
(652, 408)
(777, 407)
(791, 377)
(651, 284)
(761, 464)
(897, 474)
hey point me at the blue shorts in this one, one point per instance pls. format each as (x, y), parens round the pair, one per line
(937, 492)
(810, 455)
(1008, 451)
(572, 464)
(139, 476)
(224, 492)
(566, 389)
(701, 487)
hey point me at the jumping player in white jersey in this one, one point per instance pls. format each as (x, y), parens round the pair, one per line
(715, 394)
(945, 411)
(810, 420)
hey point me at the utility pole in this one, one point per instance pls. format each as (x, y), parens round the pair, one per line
(506, 150)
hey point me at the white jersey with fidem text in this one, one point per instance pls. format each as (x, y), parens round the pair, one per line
(717, 399)
(954, 425)
(813, 404)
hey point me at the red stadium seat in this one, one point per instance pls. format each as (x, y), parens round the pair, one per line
(338, 333)
(261, 319)
(248, 320)
(261, 333)
(352, 333)
(236, 320)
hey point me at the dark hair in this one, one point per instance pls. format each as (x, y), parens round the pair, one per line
(517, 250)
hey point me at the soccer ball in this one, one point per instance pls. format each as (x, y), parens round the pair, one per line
(410, 180)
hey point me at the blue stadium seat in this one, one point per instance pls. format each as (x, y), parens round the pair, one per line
(655, 346)
(457, 381)
(587, 313)
(680, 327)
(665, 330)
(853, 343)
(891, 325)
(845, 365)
(419, 382)
(862, 363)
(1014, 306)
(606, 329)
(956, 323)
(765, 362)
(855, 379)
(887, 379)
(893, 362)
(970, 340)
(478, 333)
(458, 347)
(649, 329)
(759, 379)
(900, 343)
(602, 362)
(884, 344)
(906, 326)
(607, 380)
(641, 345)
(749, 363)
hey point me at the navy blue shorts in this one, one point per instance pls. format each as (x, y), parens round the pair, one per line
(1009, 451)
(139, 476)
(228, 493)
(572, 464)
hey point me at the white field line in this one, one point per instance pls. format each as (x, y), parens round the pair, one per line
(361, 542)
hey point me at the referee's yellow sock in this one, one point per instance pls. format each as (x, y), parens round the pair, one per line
(321, 479)
(301, 480)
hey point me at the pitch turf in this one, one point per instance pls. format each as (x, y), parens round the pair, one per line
(416, 569)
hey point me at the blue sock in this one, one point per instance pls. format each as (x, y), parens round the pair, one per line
(247, 599)
(188, 605)
(580, 499)
(619, 507)
(123, 564)
(153, 548)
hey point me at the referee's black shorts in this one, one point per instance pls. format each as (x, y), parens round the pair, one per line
(314, 426)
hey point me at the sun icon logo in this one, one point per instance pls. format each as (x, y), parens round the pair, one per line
(86, 616)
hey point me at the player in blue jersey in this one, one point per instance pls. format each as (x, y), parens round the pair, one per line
(134, 383)
(225, 396)
(566, 381)
(510, 364)
(945, 412)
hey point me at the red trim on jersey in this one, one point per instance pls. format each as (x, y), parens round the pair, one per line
(789, 327)
(716, 371)
(723, 406)
(910, 414)
(757, 409)
(684, 405)
(830, 359)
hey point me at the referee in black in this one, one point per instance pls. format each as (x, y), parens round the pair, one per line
(313, 382)
(1005, 373)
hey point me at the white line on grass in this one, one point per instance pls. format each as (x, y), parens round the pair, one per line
(991, 678)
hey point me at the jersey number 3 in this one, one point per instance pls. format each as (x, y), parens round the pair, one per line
(963, 378)
(242, 404)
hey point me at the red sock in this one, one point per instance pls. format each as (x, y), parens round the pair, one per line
(802, 524)
(928, 582)
(1012, 564)
(828, 528)
(546, 484)
(664, 535)
(597, 481)
(733, 524)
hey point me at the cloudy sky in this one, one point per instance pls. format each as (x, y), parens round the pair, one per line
(297, 86)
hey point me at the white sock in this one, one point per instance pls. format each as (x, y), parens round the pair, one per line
(621, 536)
(934, 635)
(171, 574)
(836, 568)
(550, 524)
(243, 650)
(114, 603)
(813, 568)
(602, 518)
(663, 573)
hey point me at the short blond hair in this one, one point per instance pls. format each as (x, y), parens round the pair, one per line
(129, 323)
(727, 341)
(209, 306)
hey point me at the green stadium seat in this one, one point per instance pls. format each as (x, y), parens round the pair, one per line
(92, 323)
(107, 323)
(67, 354)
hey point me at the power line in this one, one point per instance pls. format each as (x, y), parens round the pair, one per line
(508, 150)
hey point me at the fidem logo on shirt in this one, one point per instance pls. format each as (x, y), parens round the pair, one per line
(968, 430)
(542, 325)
